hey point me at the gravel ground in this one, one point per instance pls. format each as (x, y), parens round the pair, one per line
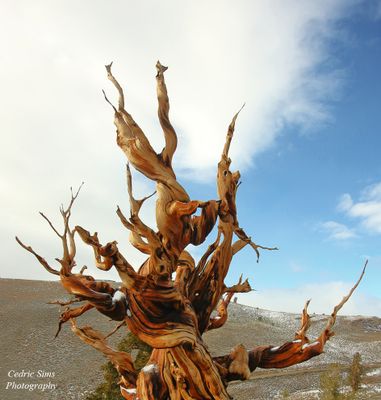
(69, 369)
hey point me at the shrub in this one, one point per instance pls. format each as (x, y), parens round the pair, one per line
(355, 373)
(330, 383)
(109, 389)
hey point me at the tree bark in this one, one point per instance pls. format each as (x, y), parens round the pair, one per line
(171, 313)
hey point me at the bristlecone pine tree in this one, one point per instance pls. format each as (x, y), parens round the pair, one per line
(171, 315)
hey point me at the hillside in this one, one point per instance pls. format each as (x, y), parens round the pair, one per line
(28, 326)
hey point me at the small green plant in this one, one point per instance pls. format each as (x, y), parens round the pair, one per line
(285, 394)
(130, 343)
(330, 383)
(109, 389)
(355, 373)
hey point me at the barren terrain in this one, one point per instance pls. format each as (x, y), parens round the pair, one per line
(28, 325)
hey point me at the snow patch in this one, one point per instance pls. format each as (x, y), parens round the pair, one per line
(310, 345)
(312, 391)
(129, 391)
(150, 368)
(374, 372)
(118, 296)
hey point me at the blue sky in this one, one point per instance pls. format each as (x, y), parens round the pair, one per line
(307, 142)
(291, 196)
(296, 186)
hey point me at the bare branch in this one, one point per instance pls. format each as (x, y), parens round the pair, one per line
(65, 303)
(68, 244)
(115, 329)
(135, 239)
(124, 220)
(110, 76)
(222, 312)
(51, 225)
(239, 287)
(304, 324)
(209, 251)
(108, 101)
(239, 245)
(301, 348)
(93, 241)
(163, 111)
(134, 204)
(332, 319)
(73, 197)
(229, 135)
(42, 261)
(136, 225)
(72, 313)
(83, 269)
(121, 360)
(107, 256)
(128, 130)
(242, 235)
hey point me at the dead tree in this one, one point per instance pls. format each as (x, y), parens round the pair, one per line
(170, 312)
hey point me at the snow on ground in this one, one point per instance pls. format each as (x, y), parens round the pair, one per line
(375, 372)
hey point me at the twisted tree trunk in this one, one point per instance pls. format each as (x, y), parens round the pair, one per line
(171, 315)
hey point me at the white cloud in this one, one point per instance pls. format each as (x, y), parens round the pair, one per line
(367, 210)
(57, 130)
(219, 54)
(338, 231)
(324, 296)
(345, 203)
(372, 192)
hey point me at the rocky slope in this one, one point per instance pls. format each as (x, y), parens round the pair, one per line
(32, 358)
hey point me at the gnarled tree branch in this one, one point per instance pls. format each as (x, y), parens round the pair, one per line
(171, 300)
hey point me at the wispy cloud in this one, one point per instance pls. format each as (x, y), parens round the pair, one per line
(337, 231)
(220, 54)
(367, 210)
(269, 60)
